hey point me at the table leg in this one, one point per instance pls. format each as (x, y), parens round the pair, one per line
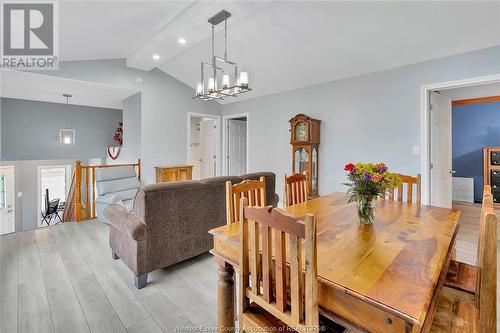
(225, 297)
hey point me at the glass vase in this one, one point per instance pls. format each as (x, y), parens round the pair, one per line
(366, 210)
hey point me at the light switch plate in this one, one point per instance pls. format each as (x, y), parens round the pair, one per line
(415, 149)
(19, 194)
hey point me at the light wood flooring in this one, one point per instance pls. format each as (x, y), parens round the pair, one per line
(62, 279)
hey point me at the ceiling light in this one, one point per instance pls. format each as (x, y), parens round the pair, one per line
(239, 79)
(156, 57)
(182, 41)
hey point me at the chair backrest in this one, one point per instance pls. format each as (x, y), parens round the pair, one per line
(253, 190)
(486, 273)
(295, 189)
(409, 182)
(53, 204)
(47, 201)
(256, 228)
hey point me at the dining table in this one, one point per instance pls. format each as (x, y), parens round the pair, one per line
(381, 277)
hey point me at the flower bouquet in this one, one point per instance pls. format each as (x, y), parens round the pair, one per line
(367, 181)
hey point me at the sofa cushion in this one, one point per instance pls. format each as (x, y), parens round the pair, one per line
(129, 204)
(104, 174)
(117, 185)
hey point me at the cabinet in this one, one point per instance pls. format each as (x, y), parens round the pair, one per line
(171, 173)
(491, 157)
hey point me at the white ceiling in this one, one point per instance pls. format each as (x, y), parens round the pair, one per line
(47, 88)
(284, 44)
(477, 91)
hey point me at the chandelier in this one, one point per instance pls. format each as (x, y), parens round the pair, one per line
(224, 79)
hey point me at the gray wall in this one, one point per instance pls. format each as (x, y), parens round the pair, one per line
(374, 117)
(26, 182)
(30, 130)
(165, 103)
(131, 148)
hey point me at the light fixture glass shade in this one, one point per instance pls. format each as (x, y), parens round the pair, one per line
(199, 89)
(225, 81)
(243, 80)
(211, 85)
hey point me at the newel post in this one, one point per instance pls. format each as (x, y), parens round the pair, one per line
(78, 191)
(139, 168)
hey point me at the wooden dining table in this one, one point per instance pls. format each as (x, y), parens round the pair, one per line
(383, 277)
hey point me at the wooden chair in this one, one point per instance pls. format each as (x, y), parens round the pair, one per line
(259, 308)
(295, 189)
(463, 276)
(253, 190)
(462, 311)
(409, 181)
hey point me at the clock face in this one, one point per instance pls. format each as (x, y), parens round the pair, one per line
(301, 131)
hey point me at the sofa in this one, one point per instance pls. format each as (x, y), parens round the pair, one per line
(169, 222)
(117, 185)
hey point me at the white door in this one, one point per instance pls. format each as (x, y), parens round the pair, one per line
(7, 209)
(208, 155)
(237, 147)
(440, 150)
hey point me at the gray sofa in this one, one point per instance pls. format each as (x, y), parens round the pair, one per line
(170, 222)
(117, 185)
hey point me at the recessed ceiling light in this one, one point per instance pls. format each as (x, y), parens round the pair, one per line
(156, 56)
(182, 40)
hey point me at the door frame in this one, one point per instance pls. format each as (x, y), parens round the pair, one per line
(69, 174)
(225, 138)
(425, 143)
(13, 167)
(217, 119)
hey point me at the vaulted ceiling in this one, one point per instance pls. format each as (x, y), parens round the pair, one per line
(284, 44)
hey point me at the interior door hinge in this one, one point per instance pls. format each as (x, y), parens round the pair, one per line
(431, 107)
(431, 166)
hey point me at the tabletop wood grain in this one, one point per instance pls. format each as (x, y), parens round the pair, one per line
(395, 263)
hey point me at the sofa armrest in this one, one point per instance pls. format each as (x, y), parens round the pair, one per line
(109, 199)
(276, 199)
(120, 218)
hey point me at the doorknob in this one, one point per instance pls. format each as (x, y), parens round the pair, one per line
(453, 172)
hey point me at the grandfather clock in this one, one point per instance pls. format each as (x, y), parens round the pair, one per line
(305, 143)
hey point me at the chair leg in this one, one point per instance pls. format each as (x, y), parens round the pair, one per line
(114, 255)
(141, 281)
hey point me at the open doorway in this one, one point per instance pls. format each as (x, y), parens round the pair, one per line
(203, 145)
(235, 136)
(7, 201)
(458, 122)
(53, 187)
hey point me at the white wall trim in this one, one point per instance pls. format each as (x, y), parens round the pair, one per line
(425, 125)
(13, 167)
(218, 169)
(225, 120)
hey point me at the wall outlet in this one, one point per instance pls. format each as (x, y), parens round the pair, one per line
(415, 149)
(19, 194)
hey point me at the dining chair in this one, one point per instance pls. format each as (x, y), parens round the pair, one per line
(462, 311)
(463, 276)
(261, 309)
(253, 190)
(295, 189)
(407, 182)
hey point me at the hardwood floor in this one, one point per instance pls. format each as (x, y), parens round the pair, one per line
(62, 279)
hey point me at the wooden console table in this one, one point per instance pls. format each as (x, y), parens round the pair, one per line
(171, 173)
(380, 278)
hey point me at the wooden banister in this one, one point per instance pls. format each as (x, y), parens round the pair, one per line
(76, 210)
